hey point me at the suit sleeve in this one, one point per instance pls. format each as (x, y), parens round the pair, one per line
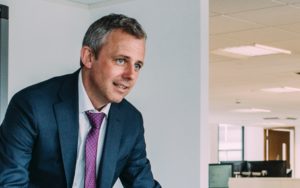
(137, 172)
(17, 135)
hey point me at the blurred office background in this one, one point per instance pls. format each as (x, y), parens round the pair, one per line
(254, 90)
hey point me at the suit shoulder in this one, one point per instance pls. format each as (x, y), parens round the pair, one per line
(48, 87)
(130, 107)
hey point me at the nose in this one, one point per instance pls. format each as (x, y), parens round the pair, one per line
(129, 72)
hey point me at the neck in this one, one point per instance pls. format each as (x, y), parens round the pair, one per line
(95, 100)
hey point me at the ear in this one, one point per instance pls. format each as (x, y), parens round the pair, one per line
(87, 56)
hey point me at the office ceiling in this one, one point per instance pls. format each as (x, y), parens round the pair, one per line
(237, 83)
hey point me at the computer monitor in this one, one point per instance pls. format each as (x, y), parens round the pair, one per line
(238, 166)
(273, 168)
(219, 175)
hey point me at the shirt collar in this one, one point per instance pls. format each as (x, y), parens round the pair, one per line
(85, 103)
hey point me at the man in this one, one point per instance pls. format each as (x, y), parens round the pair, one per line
(77, 130)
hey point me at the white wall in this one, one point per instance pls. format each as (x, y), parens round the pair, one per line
(169, 87)
(214, 139)
(44, 40)
(254, 143)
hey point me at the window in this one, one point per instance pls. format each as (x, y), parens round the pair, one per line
(231, 147)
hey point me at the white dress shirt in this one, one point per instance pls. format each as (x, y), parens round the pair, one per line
(85, 104)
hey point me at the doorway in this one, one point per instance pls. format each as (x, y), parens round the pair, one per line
(278, 145)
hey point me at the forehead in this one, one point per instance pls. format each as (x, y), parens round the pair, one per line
(118, 40)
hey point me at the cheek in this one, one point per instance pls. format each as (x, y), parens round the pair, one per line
(106, 78)
(107, 72)
(114, 74)
(99, 77)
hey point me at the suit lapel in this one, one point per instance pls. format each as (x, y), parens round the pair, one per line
(111, 147)
(66, 113)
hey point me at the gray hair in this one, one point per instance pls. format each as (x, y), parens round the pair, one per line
(97, 32)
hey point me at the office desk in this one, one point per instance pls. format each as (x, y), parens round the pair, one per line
(264, 183)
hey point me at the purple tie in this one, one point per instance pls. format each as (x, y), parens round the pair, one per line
(91, 145)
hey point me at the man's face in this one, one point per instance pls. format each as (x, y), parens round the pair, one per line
(113, 74)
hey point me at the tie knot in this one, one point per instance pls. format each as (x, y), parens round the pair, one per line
(95, 119)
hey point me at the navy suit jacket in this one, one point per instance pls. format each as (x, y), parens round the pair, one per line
(39, 137)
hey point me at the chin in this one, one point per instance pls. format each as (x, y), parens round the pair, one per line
(117, 100)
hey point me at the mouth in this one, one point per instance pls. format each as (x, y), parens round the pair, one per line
(121, 86)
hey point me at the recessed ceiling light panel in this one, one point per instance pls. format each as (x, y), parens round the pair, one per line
(270, 124)
(251, 51)
(281, 89)
(251, 110)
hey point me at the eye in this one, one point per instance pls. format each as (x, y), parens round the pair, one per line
(137, 66)
(120, 61)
